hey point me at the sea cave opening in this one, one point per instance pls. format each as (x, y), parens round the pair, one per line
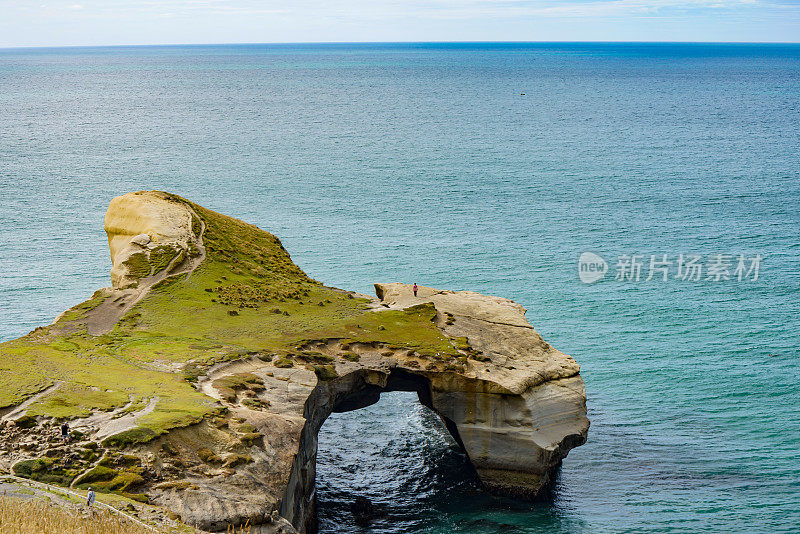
(386, 445)
(398, 455)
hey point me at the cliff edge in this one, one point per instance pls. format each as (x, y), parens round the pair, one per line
(200, 379)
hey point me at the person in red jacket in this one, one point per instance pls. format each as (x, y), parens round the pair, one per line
(415, 289)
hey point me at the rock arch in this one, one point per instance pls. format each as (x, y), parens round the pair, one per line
(500, 469)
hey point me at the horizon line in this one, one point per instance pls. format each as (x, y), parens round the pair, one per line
(295, 43)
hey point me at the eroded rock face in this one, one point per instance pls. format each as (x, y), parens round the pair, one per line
(520, 412)
(517, 410)
(149, 234)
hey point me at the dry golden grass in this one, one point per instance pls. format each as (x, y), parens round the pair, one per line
(35, 516)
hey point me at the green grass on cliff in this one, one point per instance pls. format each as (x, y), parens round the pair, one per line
(247, 296)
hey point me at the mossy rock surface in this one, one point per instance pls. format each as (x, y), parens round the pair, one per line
(325, 372)
(284, 363)
(106, 479)
(46, 470)
(161, 256)
(208, 456)
(138, 265)
(135, 436)
(250, 439)
(100, 473)
(351, 356)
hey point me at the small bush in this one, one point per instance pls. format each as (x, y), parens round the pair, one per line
(169, 449)
(124, 481)
(191, 372)
(219, 422)
(28, 468)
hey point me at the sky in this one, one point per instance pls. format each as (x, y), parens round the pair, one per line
(126, 22)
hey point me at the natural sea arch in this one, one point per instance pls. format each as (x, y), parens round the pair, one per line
(400, 457)
(350, 392)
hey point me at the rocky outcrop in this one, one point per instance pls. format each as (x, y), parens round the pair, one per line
(521, 407)
(149, 235)
(230, 329)
(517, 408)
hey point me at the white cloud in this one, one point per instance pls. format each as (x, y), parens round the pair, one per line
(418, 9)
(569, 8)
(190, 21)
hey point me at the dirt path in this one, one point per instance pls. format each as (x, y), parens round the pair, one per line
(105, 424)
(102, 319)
(14, 412)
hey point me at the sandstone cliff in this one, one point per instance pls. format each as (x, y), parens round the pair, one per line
(199, 381)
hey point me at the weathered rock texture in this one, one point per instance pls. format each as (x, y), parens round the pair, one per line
(236, 358)
(148, 235)
(518, 412)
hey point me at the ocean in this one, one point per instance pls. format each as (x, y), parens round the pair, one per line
(482, 166)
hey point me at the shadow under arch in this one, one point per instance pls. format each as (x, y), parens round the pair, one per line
(353, 391)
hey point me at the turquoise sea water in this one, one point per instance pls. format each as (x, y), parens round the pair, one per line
(427, 164)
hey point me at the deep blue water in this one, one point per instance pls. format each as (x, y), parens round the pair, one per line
(427, 163)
